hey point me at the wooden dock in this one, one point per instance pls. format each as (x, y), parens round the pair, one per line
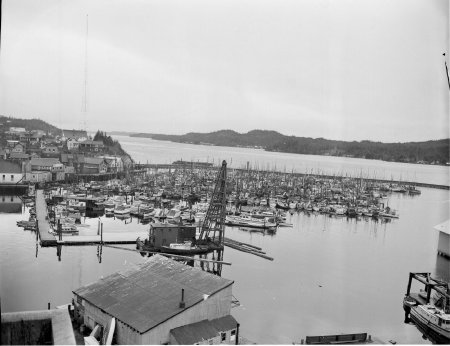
(108, 238)
(43, 226)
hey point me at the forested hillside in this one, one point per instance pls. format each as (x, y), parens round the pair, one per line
(436, 151)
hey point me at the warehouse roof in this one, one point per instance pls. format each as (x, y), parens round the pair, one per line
(149, 294)
(203, 330)
(44, 161)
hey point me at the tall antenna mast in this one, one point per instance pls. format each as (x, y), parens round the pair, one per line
(84, 106)
(446, 70)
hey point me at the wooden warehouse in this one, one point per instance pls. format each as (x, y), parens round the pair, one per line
(151, 300)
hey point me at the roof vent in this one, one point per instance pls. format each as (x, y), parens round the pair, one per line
(182, 303)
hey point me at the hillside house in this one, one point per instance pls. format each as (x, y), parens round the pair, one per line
(94, 165)
(91, 146)
(18, 148)
(11, 172)
(78, 135)
(38, 176)
(17, 130)
(19, 156)
(52, 165)
(151, 301)
(72, 144)
(11, 143)
(50, 150)
(115, 164)
(46, 164)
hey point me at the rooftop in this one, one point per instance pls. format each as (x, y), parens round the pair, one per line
(149, 294)
(44, 161)
(203, 330)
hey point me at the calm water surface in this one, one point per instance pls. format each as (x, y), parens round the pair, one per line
(330, 275)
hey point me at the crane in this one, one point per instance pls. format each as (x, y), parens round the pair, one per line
(213, 227)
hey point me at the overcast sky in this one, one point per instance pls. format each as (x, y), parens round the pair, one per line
(351, 70)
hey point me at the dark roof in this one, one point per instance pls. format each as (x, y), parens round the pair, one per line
(10, 167)
(93, 160)
(19, 156)
(75, 157)
(149, 294)
(89, 142)
(44, 161)
(203, 330)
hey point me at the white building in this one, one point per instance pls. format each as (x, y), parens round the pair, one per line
(11, 173)
(72, 144)
(17, 130)
(38, 176)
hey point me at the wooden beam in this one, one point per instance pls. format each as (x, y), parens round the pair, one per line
(169, 254)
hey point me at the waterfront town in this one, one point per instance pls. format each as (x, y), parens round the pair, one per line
(178, 295)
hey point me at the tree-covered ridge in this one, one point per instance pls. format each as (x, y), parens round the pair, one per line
(113, 147)
(436, 151)
(29, 124)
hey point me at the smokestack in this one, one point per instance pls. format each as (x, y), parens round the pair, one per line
(182, 303)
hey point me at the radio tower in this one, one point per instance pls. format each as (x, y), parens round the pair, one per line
(84, 104)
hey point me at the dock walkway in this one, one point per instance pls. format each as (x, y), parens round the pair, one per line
(46, 238)
(108, 238)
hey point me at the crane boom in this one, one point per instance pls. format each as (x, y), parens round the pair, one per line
(213, 227)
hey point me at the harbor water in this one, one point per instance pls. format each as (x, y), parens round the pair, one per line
(330, 275)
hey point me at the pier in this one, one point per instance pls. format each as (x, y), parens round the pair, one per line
(43, 226)
(105, 238)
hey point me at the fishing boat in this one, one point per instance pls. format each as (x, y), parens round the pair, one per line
(185, 248)
(430, 313)
(434, 322)
(122, 210)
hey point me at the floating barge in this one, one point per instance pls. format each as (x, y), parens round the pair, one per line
(354, 338)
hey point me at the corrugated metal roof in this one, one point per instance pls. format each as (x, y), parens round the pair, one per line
(147, 294)
(203, 330)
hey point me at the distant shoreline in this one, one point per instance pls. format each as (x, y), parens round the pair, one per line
(387, 152)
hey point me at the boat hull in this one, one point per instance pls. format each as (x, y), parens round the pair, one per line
(431, 331)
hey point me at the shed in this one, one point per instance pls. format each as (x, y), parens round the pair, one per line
(145, 300)
(222, 330)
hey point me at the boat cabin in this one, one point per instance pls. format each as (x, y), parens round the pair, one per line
(164, 234)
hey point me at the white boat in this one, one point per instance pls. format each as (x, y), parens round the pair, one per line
(199, 216)
(293, 205)
(109, 211)
(122, 210)
(173, 213)
(433, 321)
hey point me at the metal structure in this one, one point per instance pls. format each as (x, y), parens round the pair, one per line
(213, 227)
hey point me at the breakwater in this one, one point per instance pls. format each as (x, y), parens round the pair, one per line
(200, 165)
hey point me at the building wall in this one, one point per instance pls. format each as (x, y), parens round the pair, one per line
(217, 340)
(10, 178)
(444, 243)
(38, 177)
(217, 305)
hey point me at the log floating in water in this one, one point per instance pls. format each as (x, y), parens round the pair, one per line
(251, 249)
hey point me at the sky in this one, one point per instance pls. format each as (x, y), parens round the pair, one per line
(337, 69)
